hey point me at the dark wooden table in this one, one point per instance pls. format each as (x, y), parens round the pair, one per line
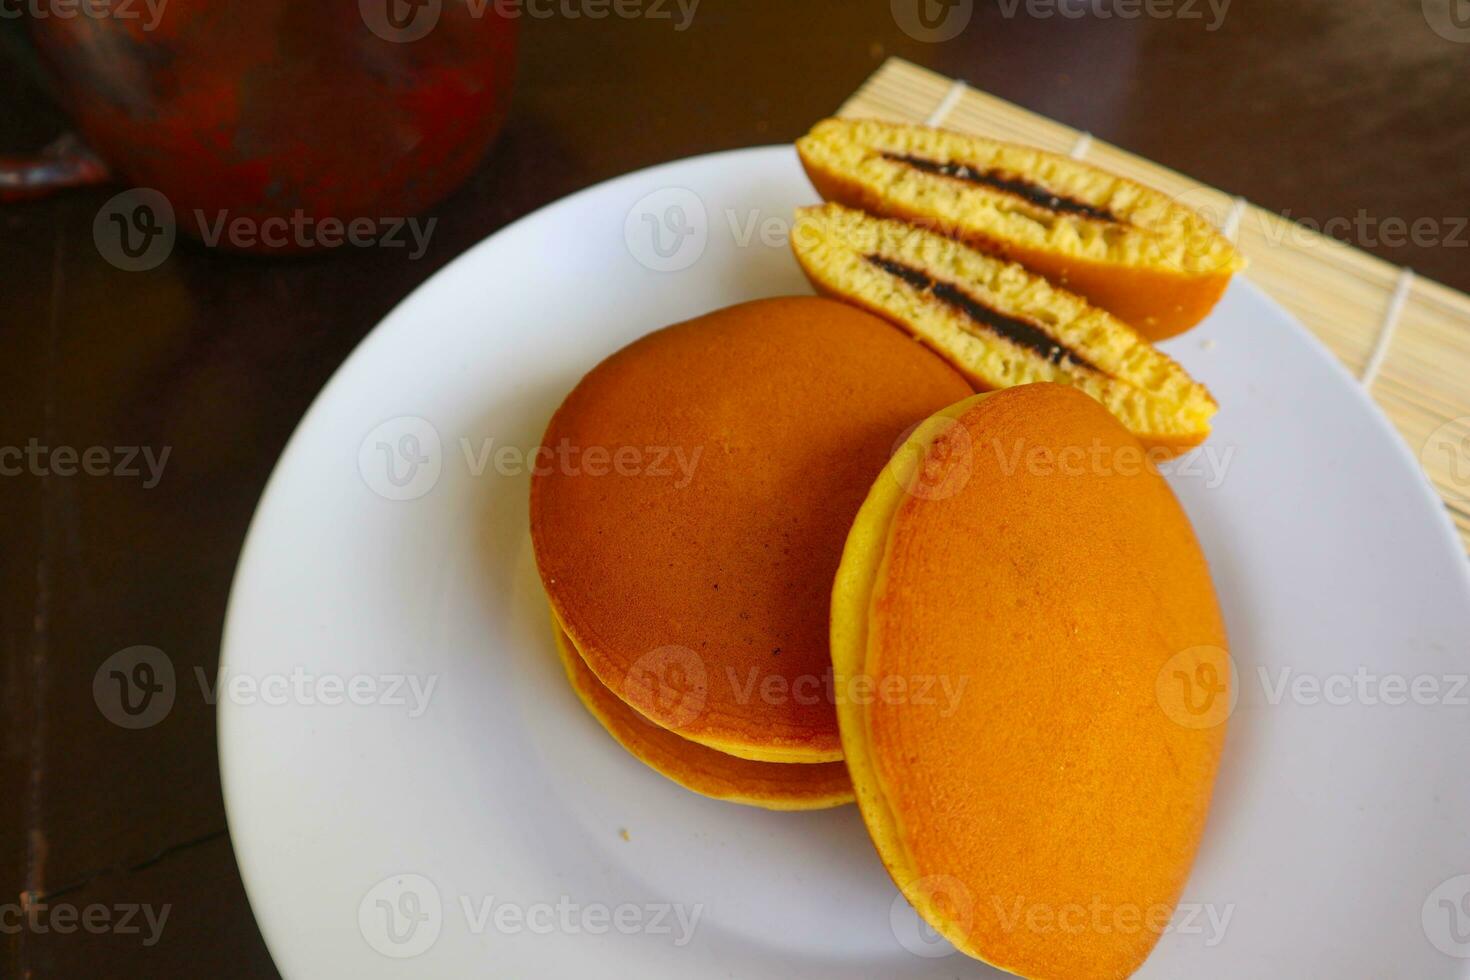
(1325, 109)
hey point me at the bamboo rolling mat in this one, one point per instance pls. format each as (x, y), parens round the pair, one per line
(1406, 338)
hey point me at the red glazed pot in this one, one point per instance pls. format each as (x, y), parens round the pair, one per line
(300, 110)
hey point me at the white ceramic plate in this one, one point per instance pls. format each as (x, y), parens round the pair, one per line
(486, 826)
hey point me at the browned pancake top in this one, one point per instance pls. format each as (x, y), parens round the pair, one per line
(691, 501)
(1056, 589)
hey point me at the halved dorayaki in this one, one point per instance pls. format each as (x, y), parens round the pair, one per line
(1131, 250)
(690, 502)
(707, 771)
(998, 323)
(1018, 548)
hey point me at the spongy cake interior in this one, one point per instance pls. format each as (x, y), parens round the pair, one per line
(1152, 230)
(1147, 390)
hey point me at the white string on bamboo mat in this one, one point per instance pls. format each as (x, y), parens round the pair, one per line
(953, 96)
(1230, 228)
(1390, 323)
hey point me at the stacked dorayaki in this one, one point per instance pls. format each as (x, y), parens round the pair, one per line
(816, 560)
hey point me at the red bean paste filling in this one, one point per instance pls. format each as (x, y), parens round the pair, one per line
(1020, 332)
(1015, 186)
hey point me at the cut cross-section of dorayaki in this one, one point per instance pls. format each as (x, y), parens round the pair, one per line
(1152, 262)
(999, 324)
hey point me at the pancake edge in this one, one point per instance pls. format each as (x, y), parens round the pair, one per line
(567, 651)
(864, 565)
(754, 752)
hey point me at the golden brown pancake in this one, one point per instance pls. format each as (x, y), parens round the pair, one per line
(690, 502)
(772, 785)
(1152, 262)
(1061, 593)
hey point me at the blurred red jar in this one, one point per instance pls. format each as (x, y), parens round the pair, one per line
(299, 110)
